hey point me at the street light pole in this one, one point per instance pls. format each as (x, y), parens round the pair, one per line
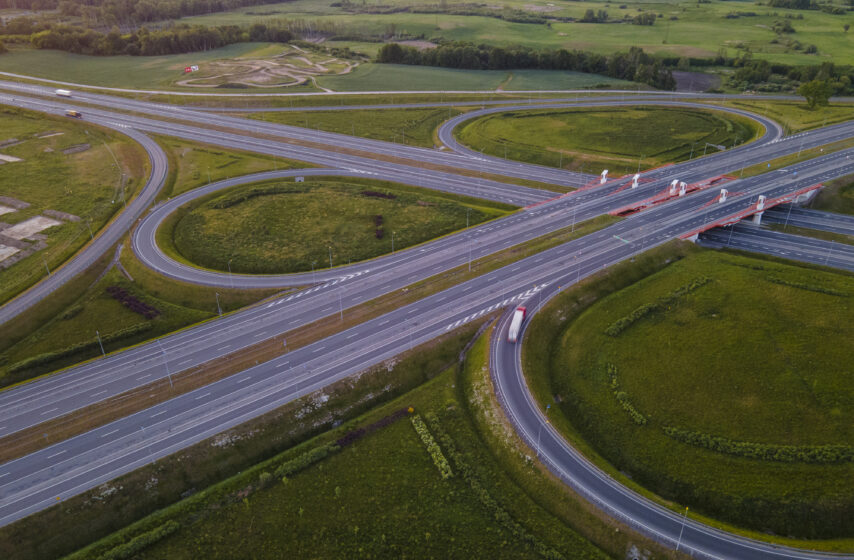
(684, 518)
(230, 276)
(166, 363)
(218, 308)
(330, 257)
(392, 242)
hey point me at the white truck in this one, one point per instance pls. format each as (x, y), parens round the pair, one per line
(63, 93)
(515, 324)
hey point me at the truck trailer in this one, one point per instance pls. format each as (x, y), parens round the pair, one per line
(516, 324)
(63, 93)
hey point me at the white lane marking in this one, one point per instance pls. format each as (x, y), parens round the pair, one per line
(224, 347)
(49, 411)
(203, 396)
(187, 361)
(56, 454)
(144, 376)
(352, 335)
(159, 413)
(244, 380)
(110, 433)
(98, 393)
(319, 349)
(259, 334)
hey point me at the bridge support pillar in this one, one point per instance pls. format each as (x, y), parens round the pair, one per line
(683, 188)
(674, 186)
(760, 206)
(635, 180)
(722, 198)
(604, 178)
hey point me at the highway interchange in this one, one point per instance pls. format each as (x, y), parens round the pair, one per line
(66, 468)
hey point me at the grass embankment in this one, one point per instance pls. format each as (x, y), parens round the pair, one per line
(743, 409)
(795, 116)
(84, 519)
(81, 420)
(192, 164)
(390, 483)
(836, 196)
(277, 227)
(121, 311)
(619, 139)
(91, 184)
(816, 233)
(413, 127)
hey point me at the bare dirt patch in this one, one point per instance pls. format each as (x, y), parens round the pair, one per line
(30, 227)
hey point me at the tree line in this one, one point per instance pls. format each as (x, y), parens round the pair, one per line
(181, 38)
(635, 65)
(106, 13)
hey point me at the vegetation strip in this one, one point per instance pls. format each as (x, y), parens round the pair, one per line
(486, 499)
(623, 397)
(432, 448)
(764, 451)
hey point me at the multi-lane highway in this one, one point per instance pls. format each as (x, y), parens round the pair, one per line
(66, 468)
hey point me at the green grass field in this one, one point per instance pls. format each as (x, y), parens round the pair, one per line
(414, 127)
(755, 355)
(684, 29)
(86, 184)
(192, 165)
(381, 495)
(285, 227)
(621, 140)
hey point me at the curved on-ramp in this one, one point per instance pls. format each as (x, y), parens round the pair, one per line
(642, 514)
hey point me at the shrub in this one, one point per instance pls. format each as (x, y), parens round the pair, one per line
(138, 543)
(623, 397)
(376, 194)
(432, 447)
(132, 302)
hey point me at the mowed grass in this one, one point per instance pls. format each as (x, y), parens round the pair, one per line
(414, 127)
(381, 496)
(760, 354)
(277, 227)
(192, 165)
(621, 140)
(87, 184)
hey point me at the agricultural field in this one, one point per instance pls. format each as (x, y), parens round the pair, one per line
(622, 140)
(414, 127)
(718, 382)
(794, 116)
(422, 471)
(277, 227)
(684, 29)
(61, 181)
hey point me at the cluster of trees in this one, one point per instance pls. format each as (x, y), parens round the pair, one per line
(633, 65)
(765, 76)
(809, 5)
(178, 39)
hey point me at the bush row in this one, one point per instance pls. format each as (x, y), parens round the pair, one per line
(808, 287)
(623, 323)
(136, 544)
(302, 462)
(765, 451)
(623, 397)
(432, 447)
(132, 302)
(47, 357)
(498, 512)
